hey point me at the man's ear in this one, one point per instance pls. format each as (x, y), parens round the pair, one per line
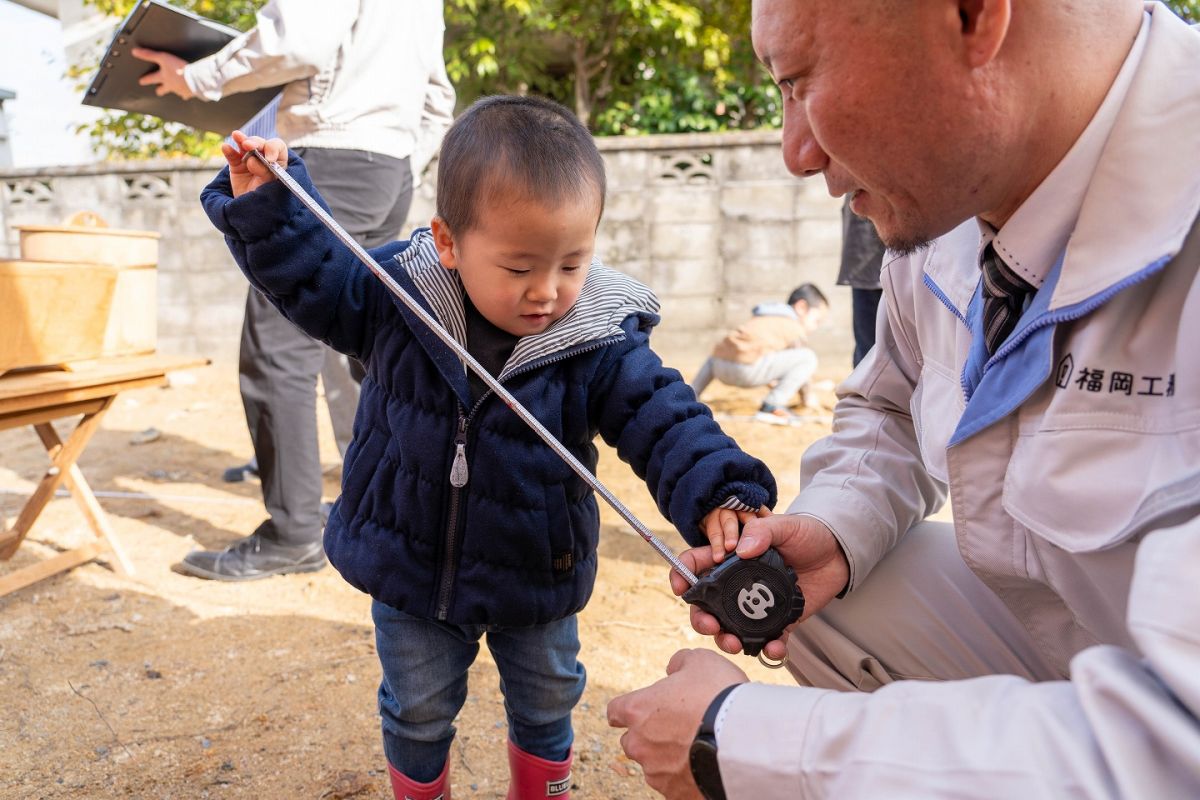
(443, 240)
(984, 28)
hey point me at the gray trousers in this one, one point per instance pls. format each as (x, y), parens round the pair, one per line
(920, 614)
(369, 195)
(791, 368)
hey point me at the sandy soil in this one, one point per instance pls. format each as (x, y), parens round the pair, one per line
(165, 686)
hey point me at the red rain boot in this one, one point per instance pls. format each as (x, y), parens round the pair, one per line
(405, 788)
(536, 778)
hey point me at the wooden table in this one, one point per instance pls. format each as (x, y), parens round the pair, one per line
(38, 398)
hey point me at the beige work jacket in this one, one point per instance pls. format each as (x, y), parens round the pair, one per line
(1073, 464)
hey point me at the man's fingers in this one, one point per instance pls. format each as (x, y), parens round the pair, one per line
(776, 650)
(698, 559)
(146, 54)
(620, 711)
(679, 584)
(756, 536)
(729, 643)
(680, 659)
(704, 623)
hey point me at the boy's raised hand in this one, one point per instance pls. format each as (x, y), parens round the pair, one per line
(722, 526)
(246, 173)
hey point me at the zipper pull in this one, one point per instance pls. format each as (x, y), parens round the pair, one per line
(458, 470)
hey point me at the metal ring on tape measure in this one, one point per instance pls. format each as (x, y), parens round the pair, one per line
(762, 659)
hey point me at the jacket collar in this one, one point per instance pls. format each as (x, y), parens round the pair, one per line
(608, 297)
(1144, 194)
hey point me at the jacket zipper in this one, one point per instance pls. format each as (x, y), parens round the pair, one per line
(460, 475)
(458, 480)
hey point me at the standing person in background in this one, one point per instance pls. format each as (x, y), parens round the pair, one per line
(862, 258)
(365, 102)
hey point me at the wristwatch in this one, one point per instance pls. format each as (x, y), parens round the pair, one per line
(703, 754)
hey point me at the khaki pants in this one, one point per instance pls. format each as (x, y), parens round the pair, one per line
(920, 614)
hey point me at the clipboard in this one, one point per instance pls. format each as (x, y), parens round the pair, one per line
(159, 26)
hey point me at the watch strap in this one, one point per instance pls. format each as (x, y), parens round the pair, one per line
(708, 725)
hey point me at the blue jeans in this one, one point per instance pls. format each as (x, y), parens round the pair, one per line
(424, 685)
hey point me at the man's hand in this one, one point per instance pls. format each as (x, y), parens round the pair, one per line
(806, 545)
(247, 174)
(662, 719)
(169, 77)
(722, 527)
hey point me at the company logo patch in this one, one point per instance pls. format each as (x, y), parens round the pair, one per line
(755, 600)
(1111, 381)
(558, 788)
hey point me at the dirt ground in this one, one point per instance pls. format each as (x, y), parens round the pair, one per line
(166, 686)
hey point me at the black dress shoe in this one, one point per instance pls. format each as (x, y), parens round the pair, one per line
(253, 558)
(240, 473)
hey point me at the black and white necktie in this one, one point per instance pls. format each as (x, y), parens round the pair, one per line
(1004, 296)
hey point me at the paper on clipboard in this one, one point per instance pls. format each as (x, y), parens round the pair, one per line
(159, 26)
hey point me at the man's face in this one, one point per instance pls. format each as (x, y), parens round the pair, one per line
(879, 104)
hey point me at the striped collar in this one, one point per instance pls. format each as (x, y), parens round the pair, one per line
(607, 298)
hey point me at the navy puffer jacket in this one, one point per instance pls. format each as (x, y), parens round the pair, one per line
(515, 545)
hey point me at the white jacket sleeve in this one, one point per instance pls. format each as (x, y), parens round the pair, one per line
(436, 117)
(274, 52)
(1121, 727)
(867, 481)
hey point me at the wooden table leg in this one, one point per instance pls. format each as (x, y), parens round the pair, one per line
(63, 469)
(82, 492)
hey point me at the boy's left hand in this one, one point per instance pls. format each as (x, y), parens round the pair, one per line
(722, 526)
(247, 174)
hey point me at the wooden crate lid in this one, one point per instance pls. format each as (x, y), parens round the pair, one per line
(86, 222)
(86, 230)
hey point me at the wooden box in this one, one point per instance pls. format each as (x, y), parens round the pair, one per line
(79, 293)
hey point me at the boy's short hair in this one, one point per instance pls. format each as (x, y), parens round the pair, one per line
(503, 144)
(810, 294)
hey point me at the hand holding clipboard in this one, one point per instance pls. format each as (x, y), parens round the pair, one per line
(168, 79)
(121, 81)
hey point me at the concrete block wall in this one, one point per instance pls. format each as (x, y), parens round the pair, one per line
(712, 222)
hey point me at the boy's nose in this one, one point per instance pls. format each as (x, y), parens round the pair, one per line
(543, 291)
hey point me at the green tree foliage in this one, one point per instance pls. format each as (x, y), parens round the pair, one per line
(625, 66)
(1188, 9)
